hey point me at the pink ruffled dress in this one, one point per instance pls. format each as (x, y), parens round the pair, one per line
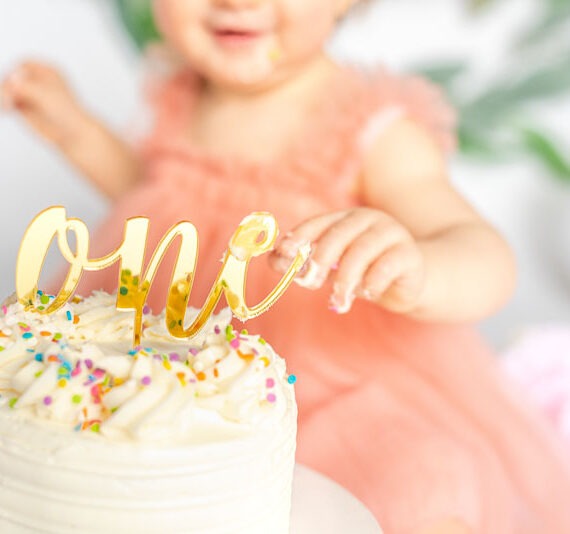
(413, 418)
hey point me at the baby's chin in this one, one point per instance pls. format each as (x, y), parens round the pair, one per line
(243, 76)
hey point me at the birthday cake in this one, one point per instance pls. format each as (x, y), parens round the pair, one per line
(171, 436)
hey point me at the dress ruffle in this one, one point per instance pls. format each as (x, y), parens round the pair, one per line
(328, 147)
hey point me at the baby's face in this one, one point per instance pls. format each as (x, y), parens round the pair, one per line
(248, 43)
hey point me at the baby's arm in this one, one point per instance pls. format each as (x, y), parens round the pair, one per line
(417, 248)
(469, 269)
(42, 97)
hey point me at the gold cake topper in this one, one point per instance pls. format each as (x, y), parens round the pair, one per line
(255, 235)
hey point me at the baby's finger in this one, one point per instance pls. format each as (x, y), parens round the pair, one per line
(36, 71)
(22, 90)
(400, 265)
(358, 258)
(332, 243)
(312, 275)
(335, 239)
(10, 87)
(307, 232)
(6, 101)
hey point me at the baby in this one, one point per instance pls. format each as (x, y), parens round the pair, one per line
(399, 399)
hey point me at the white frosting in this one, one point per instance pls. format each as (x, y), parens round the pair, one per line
(174, 436)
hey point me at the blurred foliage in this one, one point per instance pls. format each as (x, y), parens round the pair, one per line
(138, 19)
(500, 120)
(497, 122)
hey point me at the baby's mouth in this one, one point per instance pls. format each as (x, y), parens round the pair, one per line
(235, 37)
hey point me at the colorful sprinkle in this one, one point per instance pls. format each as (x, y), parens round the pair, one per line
(292, 379)
(27, 335)
(181, 378)
(62, 382)
(89, 364)
(270, 383)
(146, 380)
(76, 399)
(229, 332)
(99, 373)
(234, 343)
(216, 329)
(77, 369)
(48, 400)
(123, 291)
(39, 357)
(247, 357)
(271, 397)
(12, 402)
(96, 393)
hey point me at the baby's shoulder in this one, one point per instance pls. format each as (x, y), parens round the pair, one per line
(392, 96)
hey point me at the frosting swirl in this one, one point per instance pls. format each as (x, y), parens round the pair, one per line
(76, 369)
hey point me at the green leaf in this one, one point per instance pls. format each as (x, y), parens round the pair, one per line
(508, 96)
(555, 15)
(138, 19)
(476, 144)
(443, 74)
(547, 152)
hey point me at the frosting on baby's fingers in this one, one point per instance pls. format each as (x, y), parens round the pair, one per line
(314, 276)
(367, 293)
(289, 247)
(341, 299)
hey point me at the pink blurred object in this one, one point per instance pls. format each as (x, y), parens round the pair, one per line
(540, 362)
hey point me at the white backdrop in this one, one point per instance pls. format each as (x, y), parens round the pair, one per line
(78, 36)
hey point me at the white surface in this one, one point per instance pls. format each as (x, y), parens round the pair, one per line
(321, 506)
(78, 37)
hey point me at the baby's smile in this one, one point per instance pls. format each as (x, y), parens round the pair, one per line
(238, 29)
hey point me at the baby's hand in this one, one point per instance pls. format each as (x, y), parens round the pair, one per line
(371, 255)
(41, 95)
